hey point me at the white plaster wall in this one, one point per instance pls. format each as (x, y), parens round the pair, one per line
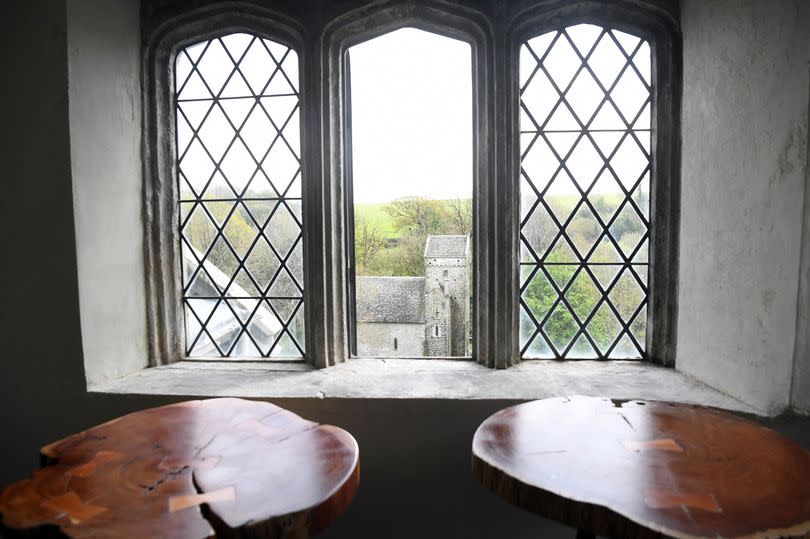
(800, 396)
(373, 337)
(744, 131)
(105, 143)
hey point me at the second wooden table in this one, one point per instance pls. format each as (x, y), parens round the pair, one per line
(636, 469)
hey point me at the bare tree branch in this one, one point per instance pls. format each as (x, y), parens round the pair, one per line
(368, 241)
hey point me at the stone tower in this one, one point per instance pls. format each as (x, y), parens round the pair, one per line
(447, 295)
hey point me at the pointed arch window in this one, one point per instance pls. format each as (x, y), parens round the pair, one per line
(586, 100)
(409, 173)
(238, 165)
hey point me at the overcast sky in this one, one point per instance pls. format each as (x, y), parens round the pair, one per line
(411, 117)
(412, 113)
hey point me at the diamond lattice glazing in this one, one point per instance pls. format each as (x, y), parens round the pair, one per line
(585, 106)
(239, 184)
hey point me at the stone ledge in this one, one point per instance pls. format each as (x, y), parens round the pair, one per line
(423, 379)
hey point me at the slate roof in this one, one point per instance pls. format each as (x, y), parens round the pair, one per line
(398, 300)
(446, 246)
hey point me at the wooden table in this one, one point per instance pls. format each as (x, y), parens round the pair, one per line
(220, 467)
(633, 469)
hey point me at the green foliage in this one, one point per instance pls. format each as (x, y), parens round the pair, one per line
(583, 295)
(404, 225)
(417, 214)
(584, 298)
(241, 230)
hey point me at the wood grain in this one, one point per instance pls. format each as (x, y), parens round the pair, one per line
(636, 469)
(219, 467)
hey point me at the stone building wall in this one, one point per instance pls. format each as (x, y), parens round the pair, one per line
(438, 332)
(428, 316)
(451, 276)
(377, 339)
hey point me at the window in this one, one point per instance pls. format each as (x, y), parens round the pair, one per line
(556, 160)
(411, 182)
(585, 193)
(239, 184)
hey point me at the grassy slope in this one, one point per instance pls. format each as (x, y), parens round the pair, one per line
(376, 215)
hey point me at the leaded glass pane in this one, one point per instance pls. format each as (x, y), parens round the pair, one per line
(585, 106)
(238, 168)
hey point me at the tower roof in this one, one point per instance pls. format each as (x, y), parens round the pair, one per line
(399, 300)
(447, 246)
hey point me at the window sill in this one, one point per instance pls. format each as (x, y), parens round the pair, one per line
(422, 379)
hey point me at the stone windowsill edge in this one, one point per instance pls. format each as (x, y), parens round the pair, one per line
(422, 379)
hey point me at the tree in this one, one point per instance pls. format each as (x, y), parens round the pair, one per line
(540, 230)
(416, 214)
(415, 218)
(459, 215)
(368, 241)
(411, 255)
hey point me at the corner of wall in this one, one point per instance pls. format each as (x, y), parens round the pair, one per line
(744, 91)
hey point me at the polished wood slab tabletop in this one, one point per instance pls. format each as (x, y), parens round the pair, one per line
(632, 469)
(219, 467)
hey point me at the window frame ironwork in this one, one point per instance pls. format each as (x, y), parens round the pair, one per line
(585, 132)
(663, 38)
(200, 201)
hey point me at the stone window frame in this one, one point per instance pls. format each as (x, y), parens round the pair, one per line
(495, 35)
(162, 254)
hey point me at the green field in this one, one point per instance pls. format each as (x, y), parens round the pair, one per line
(376, 215)
(389, 238)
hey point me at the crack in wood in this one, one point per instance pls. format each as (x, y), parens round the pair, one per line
(627, 421)
(170, 476)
